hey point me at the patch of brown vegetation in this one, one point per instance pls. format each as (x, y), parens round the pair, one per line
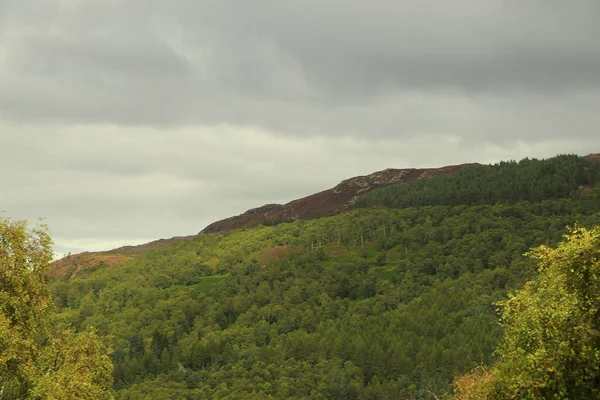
(213, 262)
(275, 254)
(328, 202)
(76, 264)
(594, 157)
(477, 384)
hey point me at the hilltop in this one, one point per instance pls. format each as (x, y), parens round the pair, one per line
(328, 202)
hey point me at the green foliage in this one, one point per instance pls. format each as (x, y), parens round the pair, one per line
(24, 302)
(74, 367)
(374, 303)
(34, 361)
(551, 344)
(507, 182)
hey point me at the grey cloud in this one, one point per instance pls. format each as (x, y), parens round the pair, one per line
(288, 66)
(63, 58)
(130, 119)
(358, 45)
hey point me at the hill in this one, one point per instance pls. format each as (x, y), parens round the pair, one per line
(505, 182)
(376, 302)
(325, 203)
(74, 264)
(328, 202)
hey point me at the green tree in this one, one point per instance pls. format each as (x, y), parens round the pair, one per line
(551, 344)
(25, 305)
(74, 367)
(34, 363)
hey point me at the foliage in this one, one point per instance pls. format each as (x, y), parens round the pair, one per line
(74, 367)
(374, 303)
(31, 358)
(478, 384)
(551, 343)
(506, 182)
(24, 302)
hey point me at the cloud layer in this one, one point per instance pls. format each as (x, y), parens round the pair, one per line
(123, 121)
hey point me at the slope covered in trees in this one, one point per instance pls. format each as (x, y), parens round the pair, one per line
(551, 343)
(506, 182)
(341, 197)
(328, 202)
(376, 303)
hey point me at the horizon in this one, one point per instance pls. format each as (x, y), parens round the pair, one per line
(116, 246)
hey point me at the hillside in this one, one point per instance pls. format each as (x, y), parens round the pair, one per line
(374, 303)
(505, 182)
(75, 264)
(325, 203)
(328, 202)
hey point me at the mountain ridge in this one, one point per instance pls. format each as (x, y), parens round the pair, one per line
(337, 199)
(325, 203)
(328, 202)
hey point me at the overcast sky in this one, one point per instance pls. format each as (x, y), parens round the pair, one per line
(123, 121)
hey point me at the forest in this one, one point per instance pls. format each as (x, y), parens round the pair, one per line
(402, 297)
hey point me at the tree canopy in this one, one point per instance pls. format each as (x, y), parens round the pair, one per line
(505, 182)
(551, 343)
(37, 360)
(376, 303)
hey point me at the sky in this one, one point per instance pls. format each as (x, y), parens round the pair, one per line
(124, 121)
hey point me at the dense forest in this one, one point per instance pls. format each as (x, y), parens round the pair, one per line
(551, 343)
(529, 179)
(394, 299)
(390, 300)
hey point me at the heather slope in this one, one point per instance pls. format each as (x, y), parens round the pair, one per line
(328, 202)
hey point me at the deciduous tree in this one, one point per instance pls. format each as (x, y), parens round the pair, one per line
(34, 361)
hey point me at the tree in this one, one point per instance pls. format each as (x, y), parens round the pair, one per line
(33, 359)
(551, 344)
(74, 367)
